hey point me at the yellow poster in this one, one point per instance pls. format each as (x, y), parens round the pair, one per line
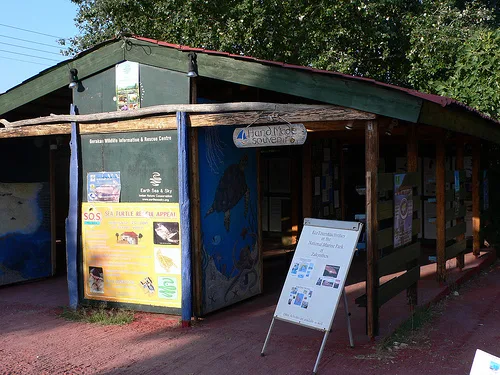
(132, 253)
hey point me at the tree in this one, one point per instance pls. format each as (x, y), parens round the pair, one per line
(476, 73)
(412, 43)
(437, 34)
(366, 38)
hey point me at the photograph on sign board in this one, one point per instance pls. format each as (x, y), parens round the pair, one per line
(300, 296)
(147, 285)
(331, 270)
(103, 186)
(327, 282)
(166, 233)
(168, 260)
(302, 269)
(336, 284)
(96, 280)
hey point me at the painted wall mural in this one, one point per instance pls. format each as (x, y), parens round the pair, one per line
(25, 240)
(228, 201)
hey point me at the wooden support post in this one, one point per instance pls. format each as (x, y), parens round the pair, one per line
(259, 222)
(307, 189)
(342, 183)
(295, 199)
(372, 279)
(412, 166)
(476, 211)
(52, 187)
(194, 187)
(459, 165)
(440, 210)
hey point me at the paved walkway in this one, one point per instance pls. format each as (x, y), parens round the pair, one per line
(34, 340)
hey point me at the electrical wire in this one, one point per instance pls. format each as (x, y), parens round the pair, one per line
(32, 49)
(25, 54)
(30, 41)
(26, 61)
(31, 31)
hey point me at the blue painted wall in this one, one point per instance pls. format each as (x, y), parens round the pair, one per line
(231, 261)
(25, 239)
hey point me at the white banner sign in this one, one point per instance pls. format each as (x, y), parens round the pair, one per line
(317, 274)
(271, 135)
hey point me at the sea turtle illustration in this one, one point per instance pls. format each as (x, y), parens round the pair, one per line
(232, 187)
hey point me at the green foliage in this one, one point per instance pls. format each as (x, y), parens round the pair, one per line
(99, 315)
(437, 33)
(366, 38)
(476, 74)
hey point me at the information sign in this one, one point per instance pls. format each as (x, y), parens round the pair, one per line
(317, 274)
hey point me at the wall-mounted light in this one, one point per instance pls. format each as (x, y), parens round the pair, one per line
(389, 130)
(348, 126)
(192, 65)
(73, 78)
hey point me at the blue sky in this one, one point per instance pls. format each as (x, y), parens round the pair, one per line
(54, 17)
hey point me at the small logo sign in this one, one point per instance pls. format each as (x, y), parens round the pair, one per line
(155, 180)
(92, 217)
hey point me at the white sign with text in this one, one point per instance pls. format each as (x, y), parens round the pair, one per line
(270, 135)
(317, 274)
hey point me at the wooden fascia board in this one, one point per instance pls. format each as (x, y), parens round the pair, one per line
(460, 121)
(87, 65)
(326, 88)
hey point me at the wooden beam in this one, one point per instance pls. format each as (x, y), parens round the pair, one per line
(36, 130)
(324, 115)
(440, 210)
(307, 188)
(260, 113)
(372, 253)
(476, 200)
(459, 120)
(459, 165)
(412, 167)
(393, 287)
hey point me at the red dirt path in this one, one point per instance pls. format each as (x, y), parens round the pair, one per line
(35, 340)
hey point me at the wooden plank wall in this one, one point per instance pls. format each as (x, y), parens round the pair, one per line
(392, 260)
(397, 260)
(455, 214)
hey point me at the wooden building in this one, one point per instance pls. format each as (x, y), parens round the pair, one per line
(167, 214)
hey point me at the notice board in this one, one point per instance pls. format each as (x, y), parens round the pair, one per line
(131, 236)
(317, 274)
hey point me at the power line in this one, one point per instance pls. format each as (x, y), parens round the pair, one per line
(31, 31)
(32, 49)
(25, 54)
(30, 41)
(26, 61)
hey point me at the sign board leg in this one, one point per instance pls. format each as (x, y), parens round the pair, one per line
(315, 370)
(267, 338)
(351, 340)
